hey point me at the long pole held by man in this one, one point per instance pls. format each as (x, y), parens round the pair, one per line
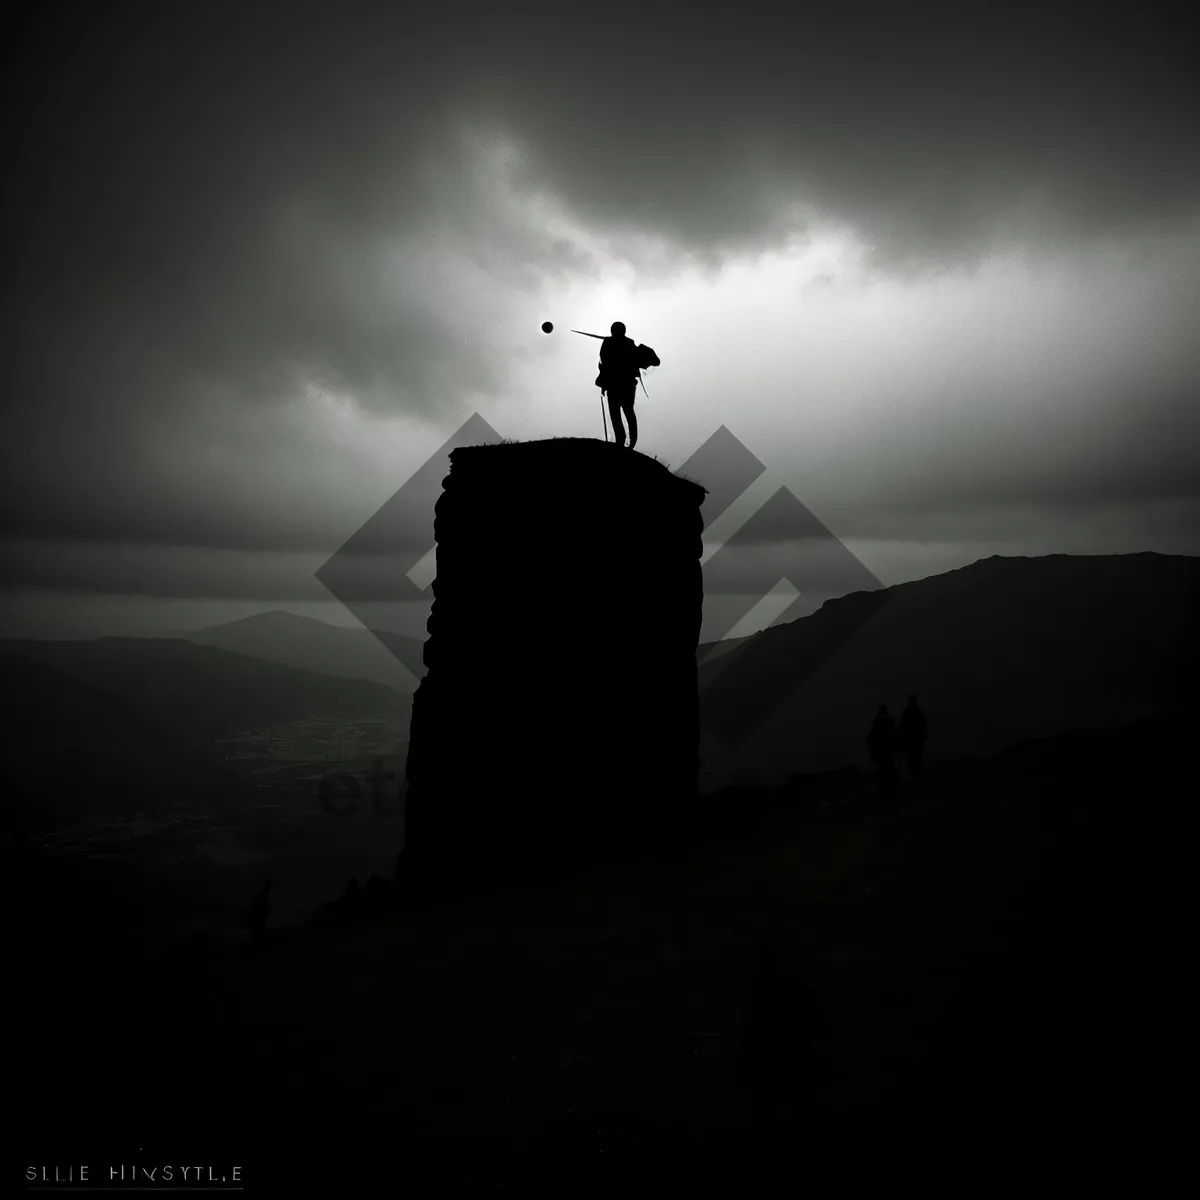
(603, 394)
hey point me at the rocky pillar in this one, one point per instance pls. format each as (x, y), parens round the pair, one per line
(559, 712)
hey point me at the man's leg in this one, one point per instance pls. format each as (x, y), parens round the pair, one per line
(631, 417)
(614, 412)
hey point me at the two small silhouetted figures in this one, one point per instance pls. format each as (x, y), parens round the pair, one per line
(783, 1063)
(260, 910)
(886, 742)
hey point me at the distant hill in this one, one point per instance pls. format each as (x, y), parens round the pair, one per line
(999, 651)
(295, 641)
(204, 692)
(74, 751)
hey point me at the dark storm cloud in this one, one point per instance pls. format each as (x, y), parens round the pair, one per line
(200, 197)
(1143, 455)
(922, 121)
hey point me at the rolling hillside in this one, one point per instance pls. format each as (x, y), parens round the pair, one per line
(204, 691)
(294, 641)
(1001, 650)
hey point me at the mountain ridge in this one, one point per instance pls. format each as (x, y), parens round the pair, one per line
(1000, 649)
(225, 691)
(378, 656)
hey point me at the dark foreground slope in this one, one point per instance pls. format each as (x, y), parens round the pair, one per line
(559, 708)
(993, 956)
(999, 651)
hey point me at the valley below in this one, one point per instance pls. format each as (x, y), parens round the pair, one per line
(204, 862)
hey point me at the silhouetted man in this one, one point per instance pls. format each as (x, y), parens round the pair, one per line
(618, 379)
(260, 910)
(914, 729)
(881, 743)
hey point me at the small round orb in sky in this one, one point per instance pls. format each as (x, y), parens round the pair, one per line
(547, 326)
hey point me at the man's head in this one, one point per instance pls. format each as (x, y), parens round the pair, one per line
(618, 329)
(913, 701)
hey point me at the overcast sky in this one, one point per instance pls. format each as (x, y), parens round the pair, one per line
(937, 266)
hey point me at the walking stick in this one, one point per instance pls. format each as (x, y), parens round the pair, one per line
(603, 417)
